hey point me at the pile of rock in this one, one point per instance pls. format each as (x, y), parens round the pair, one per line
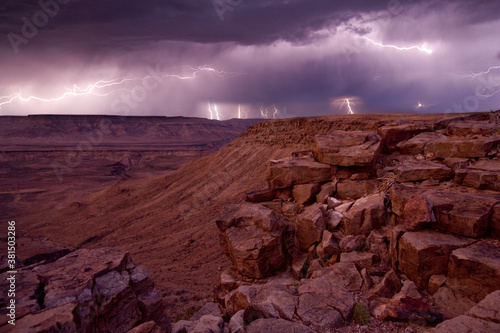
(401, 222)
(99, 290)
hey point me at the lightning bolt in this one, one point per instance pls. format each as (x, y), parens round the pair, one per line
(73, 91)
(489, 83)
(210, 111)
(348, 103)
(276, 111)
(217, 112)
(476, 75)
(263, 112)
(97, 87)
(423, 106)
(419, 48)
(239, 111)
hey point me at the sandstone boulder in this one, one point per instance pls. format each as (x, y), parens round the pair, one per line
(422, 170)
(482, 175)
(299, 261)
(328, 245)
(352, 148)
(475, 270)
(488, 308)
(333, 202)
(350, 243)
(297, 170)
(378, 242)
(401, 194)
(327, 190)
(465, 128)
(451, 303)
(305, 192)
(277, 299)
(457, 211)
(409, 305)
(360, 259)
(461, 147)
(309, 226)
(323, 304)
(355, 189)
(365, 214)
(239, 298)
(417, 144)
(436, 282)
(314, 265)
(208, 324)
(457, 163)
(277, 325)
(388, 286)
(425, 253)
(333, 220)
(393, 134)
(252, 237)
(237, 323)
(229, 279)
(344, 273)
(55, 319)
(418, 213)
(462, 213)
(466, 324)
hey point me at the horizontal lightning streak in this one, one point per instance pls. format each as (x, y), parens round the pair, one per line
(409, 48)
(93, 89)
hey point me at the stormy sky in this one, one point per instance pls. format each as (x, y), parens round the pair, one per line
(248, 58)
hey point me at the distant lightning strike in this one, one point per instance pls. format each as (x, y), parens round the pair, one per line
(210, 111)
(239, 111)
(476, 75)
(348, 103)
(276, 111)
(488, 82)
(419, 48)
(73, 91)
(264, 111)
(217, 112)
(214, 113)
(423, 106)
(96, 88)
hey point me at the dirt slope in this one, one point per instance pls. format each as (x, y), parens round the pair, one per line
(168, 222)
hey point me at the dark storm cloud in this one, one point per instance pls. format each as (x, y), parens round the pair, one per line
(118, 23)
(305, 54)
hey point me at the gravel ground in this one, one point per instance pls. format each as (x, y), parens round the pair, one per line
(380, 326)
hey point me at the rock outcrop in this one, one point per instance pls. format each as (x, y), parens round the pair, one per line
(372, 228)
(347, 148)
(252, 236)
(99, 290)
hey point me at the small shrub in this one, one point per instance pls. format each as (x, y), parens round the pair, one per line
(186, 315)
(360, 314)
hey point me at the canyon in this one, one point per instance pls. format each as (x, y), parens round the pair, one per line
(379, 212)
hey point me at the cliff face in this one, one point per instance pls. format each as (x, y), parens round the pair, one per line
(167, 222)
(66, 129)
(139, 139)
